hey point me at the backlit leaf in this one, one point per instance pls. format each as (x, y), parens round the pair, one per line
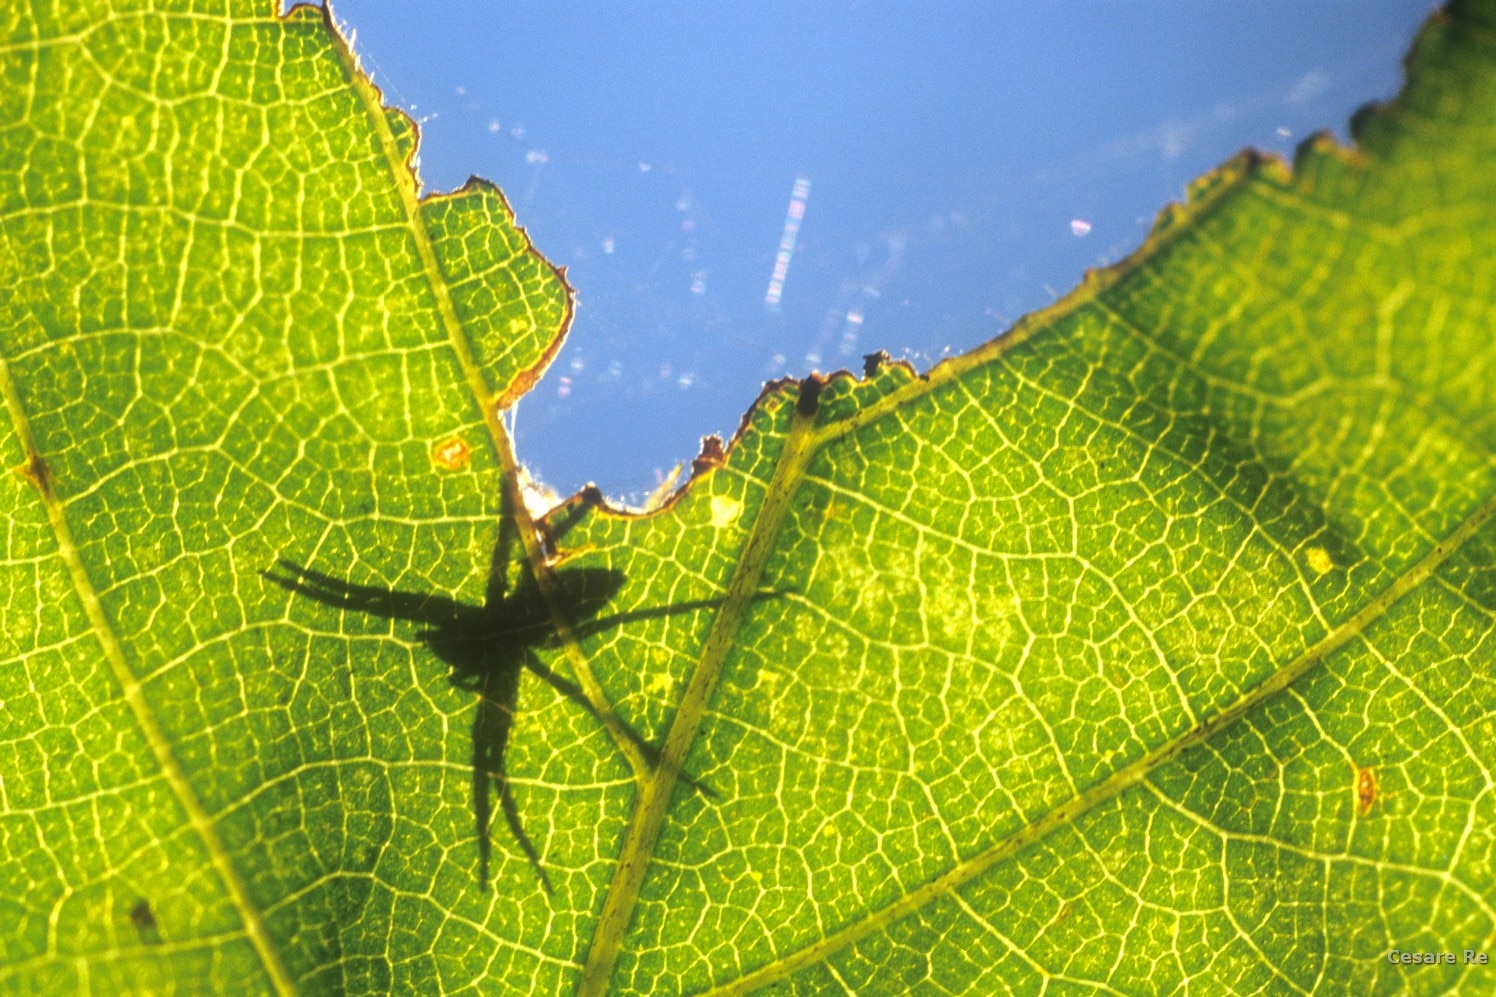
(1146, 649)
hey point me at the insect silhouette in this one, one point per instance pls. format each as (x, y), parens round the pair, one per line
(487, 648)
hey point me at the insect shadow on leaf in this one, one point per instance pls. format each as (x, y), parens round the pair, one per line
(486, 648)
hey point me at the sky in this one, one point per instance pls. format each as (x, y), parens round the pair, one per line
(741, 191)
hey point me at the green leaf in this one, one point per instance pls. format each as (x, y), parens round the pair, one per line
(1147, 648)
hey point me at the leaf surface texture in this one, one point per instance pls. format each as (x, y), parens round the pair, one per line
(1145, 649)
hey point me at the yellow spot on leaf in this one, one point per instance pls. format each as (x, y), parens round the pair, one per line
(725, 510)
(661, 684)
(451, 454)
(1319, 560)
(1366, 791)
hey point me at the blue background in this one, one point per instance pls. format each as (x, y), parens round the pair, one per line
(651, 148)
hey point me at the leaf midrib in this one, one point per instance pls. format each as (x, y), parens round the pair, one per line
(255, 928)
(490, 403)
(653, 803)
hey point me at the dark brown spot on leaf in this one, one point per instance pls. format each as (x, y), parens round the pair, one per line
(145, 922)
(36, 471)
(713, 454)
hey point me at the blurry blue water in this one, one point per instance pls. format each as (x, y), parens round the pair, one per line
(965, 163)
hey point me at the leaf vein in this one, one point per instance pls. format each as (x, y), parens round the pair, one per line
(140, 708)
(1120, 780)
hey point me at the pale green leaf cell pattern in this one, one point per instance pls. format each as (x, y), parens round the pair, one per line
(1146, 649)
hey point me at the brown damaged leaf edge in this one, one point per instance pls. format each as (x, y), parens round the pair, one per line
(808, 403)
(714, 454)
(1203, 194)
